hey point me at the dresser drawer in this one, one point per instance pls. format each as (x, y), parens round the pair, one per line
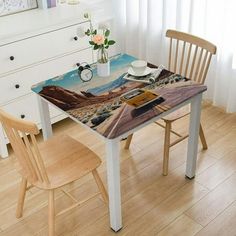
(19, 84)
(27, 108)
(42, 47)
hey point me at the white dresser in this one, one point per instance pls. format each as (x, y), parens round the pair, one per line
(35, 46)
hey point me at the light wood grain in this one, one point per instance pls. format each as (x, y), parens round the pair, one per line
(150, 201)
(51, 213)
(128, 141)
(193, 66)
(223, 225)
(198, 66)
(214, 203)
(21, 199)
(183, 226)
(156, 219)
(219, 172)
(59, 161)
(166, 148)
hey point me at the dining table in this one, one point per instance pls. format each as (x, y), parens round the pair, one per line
(97, 105)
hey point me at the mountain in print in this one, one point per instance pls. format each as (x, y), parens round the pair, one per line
(67, 100)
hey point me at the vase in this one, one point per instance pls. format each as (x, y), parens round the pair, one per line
(103, 63)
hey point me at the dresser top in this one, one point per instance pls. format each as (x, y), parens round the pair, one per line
(30, 23)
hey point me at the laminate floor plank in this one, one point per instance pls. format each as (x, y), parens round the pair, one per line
(208, 208)
(219, 172)
(223, 225)
(151, 203)
(164, 213)
(183, 226)
(135, 205)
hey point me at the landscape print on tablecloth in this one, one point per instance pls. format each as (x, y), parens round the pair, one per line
(98, 105)
(93, 106)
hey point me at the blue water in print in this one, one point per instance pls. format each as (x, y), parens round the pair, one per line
(72, 78)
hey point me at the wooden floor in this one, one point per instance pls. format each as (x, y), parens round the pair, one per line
(152, 204)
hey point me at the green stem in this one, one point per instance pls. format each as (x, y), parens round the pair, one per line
(104, 58)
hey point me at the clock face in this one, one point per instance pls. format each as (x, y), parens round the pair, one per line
(86, 74)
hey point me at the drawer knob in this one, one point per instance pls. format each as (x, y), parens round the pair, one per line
(22, 116)
(75, 38)
(12, 58)
(17, 86)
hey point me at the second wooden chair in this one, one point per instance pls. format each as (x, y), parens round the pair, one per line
(189, 56)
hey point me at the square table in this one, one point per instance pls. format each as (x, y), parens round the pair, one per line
(97, 106)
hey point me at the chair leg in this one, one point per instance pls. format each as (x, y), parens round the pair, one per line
(51, 213)
(128, 141)
(202, 138)
(166, 148)
(21, 198)
(100, 186)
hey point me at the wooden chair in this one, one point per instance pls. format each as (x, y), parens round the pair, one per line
(57, 162)
(189, 56)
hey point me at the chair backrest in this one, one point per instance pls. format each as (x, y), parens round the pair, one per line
(21, 135)
(189, 56)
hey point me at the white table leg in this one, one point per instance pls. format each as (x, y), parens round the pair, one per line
(193, 136)
(3, 145)
(45, 118)
(113, 179)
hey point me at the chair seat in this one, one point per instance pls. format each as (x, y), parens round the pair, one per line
(183, 111)
(66, 160)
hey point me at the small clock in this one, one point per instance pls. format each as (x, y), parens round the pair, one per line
(85, 72)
